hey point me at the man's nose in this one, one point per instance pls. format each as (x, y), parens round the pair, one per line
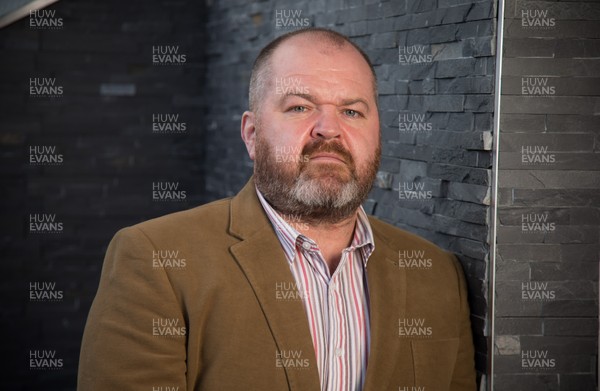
(327, 125)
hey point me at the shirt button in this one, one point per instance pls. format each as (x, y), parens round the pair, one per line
(339, 352)
(306, 246)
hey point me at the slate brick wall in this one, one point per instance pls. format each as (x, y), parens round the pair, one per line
(546, 330)
(100, 125)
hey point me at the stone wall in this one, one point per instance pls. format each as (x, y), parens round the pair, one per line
(84, 135)
(546, 303)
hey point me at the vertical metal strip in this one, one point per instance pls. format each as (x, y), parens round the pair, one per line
(494, 198)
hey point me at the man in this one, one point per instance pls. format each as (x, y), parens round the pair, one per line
(288, 285)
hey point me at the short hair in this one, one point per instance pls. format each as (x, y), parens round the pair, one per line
(261, 68)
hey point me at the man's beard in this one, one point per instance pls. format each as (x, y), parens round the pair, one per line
(313, 192)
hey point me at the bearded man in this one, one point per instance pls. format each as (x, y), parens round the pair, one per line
(289, 285)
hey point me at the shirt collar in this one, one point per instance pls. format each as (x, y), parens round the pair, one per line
(290, 235)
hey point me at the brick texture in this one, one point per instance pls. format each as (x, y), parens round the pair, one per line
(101, 125)
(546, 291)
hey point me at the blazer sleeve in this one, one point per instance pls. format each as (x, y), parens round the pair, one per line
(464, 376)
(121, 349)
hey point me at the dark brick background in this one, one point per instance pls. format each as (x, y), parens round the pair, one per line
(564, 121)
(111, 157)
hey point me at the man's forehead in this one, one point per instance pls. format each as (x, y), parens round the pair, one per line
(318, 39)
(302, 56)
(314, 44)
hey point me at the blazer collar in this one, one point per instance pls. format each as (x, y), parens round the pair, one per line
(263, 261)
(387, 300)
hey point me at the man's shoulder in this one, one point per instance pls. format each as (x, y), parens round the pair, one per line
(426, 261)
(399, 239)
(392, 234)
(213, 215)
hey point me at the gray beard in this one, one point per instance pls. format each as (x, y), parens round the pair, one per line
(307, 198)
(309, 193)
(310, 202)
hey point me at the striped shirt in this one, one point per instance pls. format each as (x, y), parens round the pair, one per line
(337, 305)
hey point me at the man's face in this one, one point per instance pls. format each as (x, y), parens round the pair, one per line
(316, 139)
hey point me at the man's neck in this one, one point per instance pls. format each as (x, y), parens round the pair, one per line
(332, 239)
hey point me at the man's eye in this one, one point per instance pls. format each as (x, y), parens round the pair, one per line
(298, 109)
(352, 113)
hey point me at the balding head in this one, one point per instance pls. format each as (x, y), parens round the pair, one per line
(325, 40)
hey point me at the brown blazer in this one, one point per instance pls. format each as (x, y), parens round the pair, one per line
(216, 300)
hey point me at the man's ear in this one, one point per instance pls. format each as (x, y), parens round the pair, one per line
(248, 129)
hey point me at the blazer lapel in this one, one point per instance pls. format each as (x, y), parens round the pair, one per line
(387, 294)
(263, 261)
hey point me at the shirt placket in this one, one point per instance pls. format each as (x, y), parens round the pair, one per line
(312, 256)
(333, 337)
(337, 343)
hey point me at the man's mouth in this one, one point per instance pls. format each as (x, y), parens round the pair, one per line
(327, 157)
